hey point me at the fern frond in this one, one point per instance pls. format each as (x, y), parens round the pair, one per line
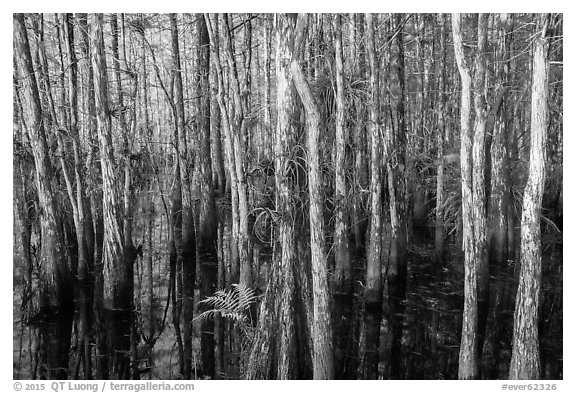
(232, 304)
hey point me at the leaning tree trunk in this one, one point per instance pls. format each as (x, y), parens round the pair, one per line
(280, 349)
(468, 361)
(525, 363)
(117, 289)
(55, 282)
(322, 361)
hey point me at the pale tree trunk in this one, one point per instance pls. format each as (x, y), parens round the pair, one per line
(117, 288)
(369, 354)
(341, 249)
(281, 347)
(499, 164)
(323, 364)
(343, 275)
(127, 189)
(468, 361)
(361, 142)
(239, 130)
(268, 126)
(55, 281)
(525, 363)
(397, 191)
(219, 176)
(499, 200)
(95, 192)
(478, 181)
(79, 203)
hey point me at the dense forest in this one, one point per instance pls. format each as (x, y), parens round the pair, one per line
(287, 196)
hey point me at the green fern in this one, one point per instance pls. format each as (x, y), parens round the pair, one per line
(233, 304)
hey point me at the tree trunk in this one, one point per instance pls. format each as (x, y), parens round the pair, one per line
(187, 254)
(369, 355)
(468, 361)
(55, 292)
(208, 226)
(478, 181)
(440, 232)
(117, 279)
(281, 347)
(525, 363)
(343, 274)
(397, 191)
(323, 364)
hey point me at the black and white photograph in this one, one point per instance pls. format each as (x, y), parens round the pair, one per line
(277, 196)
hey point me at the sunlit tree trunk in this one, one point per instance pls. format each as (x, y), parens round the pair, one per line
(281, 347)
(341, 249)
(55, 281)
(478, 180)
(239, 129)
(95, 197)
(369, 355)
(321, 329)
(500, 198)
(79, 204)
(397, 191)
(468, 361)
(117, 280)
(525, 363)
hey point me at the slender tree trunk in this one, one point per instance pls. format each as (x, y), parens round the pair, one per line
(117, 279)
(238, 131)
(187, 254)
(341, 250)
(478, 180)
(323, 364)
(440, 232)
(525, 363)
(343, 278)
(498, 204)
(468, 361)
(93, 180)
(280, 349)
(397, 190)
(208, 226)
(79, 204)
(369, 356)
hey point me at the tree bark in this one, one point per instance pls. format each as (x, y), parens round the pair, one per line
(208, 226)
(117, 279)
(323, 364)
(468, 361)
(525, 363)
(55, 293)
(369, 356)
